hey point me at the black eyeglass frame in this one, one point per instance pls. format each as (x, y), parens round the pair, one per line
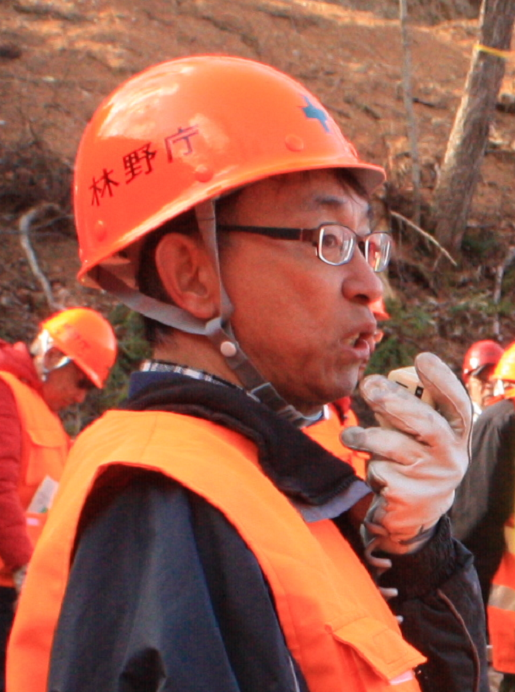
(315, 237)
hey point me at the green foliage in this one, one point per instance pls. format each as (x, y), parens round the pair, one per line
(481, 305)
(132, 349)
(508, 283)
(391, 353)
(506, 308)
(478, 246)
(403, 334)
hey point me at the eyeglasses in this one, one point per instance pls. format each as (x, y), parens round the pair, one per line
(334, 243)
(82, 382)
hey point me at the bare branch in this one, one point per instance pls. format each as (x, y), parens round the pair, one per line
(426, 235)
(24, 226)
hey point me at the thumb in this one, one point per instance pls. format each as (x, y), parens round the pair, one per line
(451, 397)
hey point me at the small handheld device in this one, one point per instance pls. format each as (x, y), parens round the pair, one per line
(407, 377)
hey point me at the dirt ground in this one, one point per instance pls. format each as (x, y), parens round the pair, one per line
(59, 58)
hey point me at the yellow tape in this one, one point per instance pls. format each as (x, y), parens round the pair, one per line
(504, 54)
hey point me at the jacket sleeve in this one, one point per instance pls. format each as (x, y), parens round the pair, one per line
(487, 488)
(164, 595)
(439, 599)
(484, 501)
(15, 545)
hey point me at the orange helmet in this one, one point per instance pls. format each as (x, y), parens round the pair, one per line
(189, 130)
(85, 337)
(480, 355)
(505, 369)
(176, 137)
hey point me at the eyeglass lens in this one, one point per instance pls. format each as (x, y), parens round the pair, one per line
(336, 246)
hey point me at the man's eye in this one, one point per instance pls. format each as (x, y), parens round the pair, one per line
(330, 241)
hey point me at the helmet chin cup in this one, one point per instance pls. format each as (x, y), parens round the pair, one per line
(228, 349)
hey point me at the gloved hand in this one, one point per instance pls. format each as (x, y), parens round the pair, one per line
(418, 460)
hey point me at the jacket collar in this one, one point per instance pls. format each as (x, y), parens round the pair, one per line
(297, 465)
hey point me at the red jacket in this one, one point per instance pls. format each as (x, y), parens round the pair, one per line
(15, 546)
(16, 487)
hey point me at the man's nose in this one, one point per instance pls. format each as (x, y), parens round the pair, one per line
(360, 281)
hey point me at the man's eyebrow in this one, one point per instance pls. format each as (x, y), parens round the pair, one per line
(335, 202)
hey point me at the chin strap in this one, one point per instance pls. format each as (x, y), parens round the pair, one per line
(219, 331)
(167, 314)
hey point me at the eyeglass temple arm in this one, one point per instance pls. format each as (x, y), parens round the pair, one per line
(271, 232)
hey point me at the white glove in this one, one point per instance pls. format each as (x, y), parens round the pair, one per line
(419, 460)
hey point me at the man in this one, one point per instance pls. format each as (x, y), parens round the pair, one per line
(483, 515)
(484, 500)
(200, 540)
(478, 367)
(72, 352)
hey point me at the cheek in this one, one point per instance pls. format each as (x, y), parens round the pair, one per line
(277, 325)
(283, 299)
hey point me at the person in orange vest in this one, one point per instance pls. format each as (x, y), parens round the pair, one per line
(337, 417)
(478, 366)
(483, 514)
(200, 540)
(71, 353)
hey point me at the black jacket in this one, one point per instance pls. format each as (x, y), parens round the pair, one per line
(484, 501)
(164, 595)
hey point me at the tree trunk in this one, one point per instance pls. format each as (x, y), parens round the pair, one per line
(410, 111)
(469, 136)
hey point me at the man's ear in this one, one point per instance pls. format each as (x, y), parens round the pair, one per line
(187, 274)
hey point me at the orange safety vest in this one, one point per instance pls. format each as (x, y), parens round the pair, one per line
(327, 433)
(501, 602)
(336, 624)
(44, 448)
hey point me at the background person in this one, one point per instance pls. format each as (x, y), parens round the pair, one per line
(483, 515)
(200, 539)
(484, 499)
(72, 352)
(477, 370)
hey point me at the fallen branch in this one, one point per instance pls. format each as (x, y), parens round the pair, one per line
(426, 235)
(24, 226)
